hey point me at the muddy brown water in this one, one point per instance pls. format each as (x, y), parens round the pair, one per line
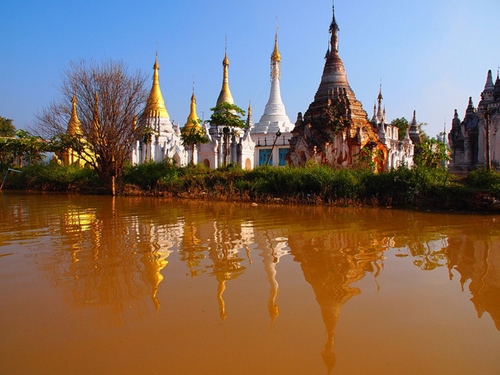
(102, 285)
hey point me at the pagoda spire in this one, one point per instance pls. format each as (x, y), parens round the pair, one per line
(225, 93)
(334, 29)
(274, 117)
(74, 127)
(155, 106)
(413, 130)
(334, 79)
(489, 86)
(193, 120)
(380, 114)
(276, 59)
(249, 116)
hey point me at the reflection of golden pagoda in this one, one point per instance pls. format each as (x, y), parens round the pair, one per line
(116, 262)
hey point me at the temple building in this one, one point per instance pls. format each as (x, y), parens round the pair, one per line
(475, 141)
(227, 144)
(335, 129)
(399, 152)
(160, 140)
(272, 133)
(193, 127)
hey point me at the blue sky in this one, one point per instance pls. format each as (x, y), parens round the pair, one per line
(430, 55)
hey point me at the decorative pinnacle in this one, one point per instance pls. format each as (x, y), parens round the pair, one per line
(334, 25)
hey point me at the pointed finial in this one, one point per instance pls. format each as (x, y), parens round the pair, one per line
(334, 26)
(489, 82)
(276, 55)
(226, 60)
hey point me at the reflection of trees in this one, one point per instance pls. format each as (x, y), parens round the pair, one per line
(427, 255)
(192, 249)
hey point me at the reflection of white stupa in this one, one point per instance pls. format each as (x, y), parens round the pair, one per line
(274, 249)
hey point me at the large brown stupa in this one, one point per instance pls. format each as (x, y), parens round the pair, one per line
(335, 130)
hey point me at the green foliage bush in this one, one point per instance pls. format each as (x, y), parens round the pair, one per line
(484, 179)
(148, 175)
(419, 187)
(53, 177)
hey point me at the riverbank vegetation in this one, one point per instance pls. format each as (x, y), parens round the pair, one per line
(419, 187)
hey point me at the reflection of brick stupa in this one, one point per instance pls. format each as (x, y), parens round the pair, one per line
(331, 263)
(335, 128)
(479, 262)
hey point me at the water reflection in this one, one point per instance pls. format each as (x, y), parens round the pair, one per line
(111, 255)
(477, 259)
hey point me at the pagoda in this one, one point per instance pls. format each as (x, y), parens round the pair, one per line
(159, 139)
(335, 129)
(273, 131)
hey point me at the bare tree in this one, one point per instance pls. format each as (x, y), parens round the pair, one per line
(108, 99)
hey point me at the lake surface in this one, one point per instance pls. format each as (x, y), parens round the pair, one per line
(102, 285)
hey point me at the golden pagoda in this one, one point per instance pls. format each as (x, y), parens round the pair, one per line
(225, 93)
(155, 106)
(74, 130)
(193, 120)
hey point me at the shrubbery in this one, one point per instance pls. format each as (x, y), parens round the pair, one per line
(53, 177)
(420, 187)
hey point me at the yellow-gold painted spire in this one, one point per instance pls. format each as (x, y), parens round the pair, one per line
(193, 120)
(225, 94)
(155, 106)
(276, 55)
(74, 127)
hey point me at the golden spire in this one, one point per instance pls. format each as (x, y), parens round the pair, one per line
(225, 94)
(193, 120)
(74, 122)
(155, 106)
(276, 55)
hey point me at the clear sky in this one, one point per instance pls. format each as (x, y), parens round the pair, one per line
(430, 55)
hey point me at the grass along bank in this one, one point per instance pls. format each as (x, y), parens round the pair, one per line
(423, 188)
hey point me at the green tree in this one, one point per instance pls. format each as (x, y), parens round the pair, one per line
(431, 153)
(193, 135)
(24, 147)
(227, 116)
(402, 124)
(108, 98)
(7, 128)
